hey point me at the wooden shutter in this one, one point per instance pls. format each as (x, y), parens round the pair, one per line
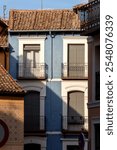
(75, 59)
(76, 103)
(32, 111)
(76, 107)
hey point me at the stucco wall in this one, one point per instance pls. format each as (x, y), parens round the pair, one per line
(12, 113)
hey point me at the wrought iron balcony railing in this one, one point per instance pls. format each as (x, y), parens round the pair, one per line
(32, 71)
(97, 85)
(73, 121)
(74, 71)
(90, 16)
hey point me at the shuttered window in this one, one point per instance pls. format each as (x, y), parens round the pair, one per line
(76, 59)
(32, 111)
(75, 106)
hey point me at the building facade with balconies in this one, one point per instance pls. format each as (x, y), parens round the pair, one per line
(49, 58)
(90, 26)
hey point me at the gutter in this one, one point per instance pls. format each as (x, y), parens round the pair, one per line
(65, 30)
(52, 37)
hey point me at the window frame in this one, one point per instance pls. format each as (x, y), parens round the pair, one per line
(68, 99)
(76, 40)
(33, 41)
(32, 51)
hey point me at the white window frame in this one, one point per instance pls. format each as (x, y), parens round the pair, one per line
(75, 142)
(31, 40)
(73, 86)
(42, 91)
(74, 40)
(36, 140)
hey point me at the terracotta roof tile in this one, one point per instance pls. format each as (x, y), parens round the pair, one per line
(3, 34)
(7, 84)
(44, 20)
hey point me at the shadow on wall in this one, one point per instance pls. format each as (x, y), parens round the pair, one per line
(27, 68)
(11, 125)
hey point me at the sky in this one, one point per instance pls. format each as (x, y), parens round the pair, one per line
(37, 4)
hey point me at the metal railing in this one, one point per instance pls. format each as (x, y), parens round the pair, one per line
(32, 71)
(68, 121)
(90, 15)
(74, 71)
(74, 119)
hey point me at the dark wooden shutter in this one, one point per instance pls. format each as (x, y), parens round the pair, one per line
(32, 111)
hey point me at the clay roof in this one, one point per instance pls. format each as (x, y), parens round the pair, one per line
(3, 33)
(8, 85)
(43, 20)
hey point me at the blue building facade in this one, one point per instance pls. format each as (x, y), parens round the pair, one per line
(49, 59)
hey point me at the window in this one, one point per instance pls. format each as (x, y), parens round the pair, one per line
(31, 63)
(76, 107)
(76, 60)
(31, 55)
(73, 147)
(32, 112)
(97, 72)
(97, 136)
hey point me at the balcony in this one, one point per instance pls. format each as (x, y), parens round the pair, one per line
(32, 71)
(74, 71)
(90, 17)
(74, 123)
(36, 126)
(97, 85)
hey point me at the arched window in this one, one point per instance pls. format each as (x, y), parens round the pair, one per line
(75, 107)
(32, 112)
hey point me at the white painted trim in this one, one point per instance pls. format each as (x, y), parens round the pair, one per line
(68, 86)
(32, 37)
(42, 91)
(54, 79)
(67, 141)
(53, 132)
(31, 40)
(36, 88)
(36, 140)
(74, 40)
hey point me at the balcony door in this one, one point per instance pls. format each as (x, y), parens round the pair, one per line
(76, 59)
(31, 60)
(32, 147)
(32, 112)
(75, 107)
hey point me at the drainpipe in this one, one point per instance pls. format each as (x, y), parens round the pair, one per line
(52, 37)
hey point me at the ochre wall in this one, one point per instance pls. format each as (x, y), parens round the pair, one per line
(12, 113)
(2, 59)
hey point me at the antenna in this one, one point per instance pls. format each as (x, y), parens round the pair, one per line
(41, 4)
(4, 11)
